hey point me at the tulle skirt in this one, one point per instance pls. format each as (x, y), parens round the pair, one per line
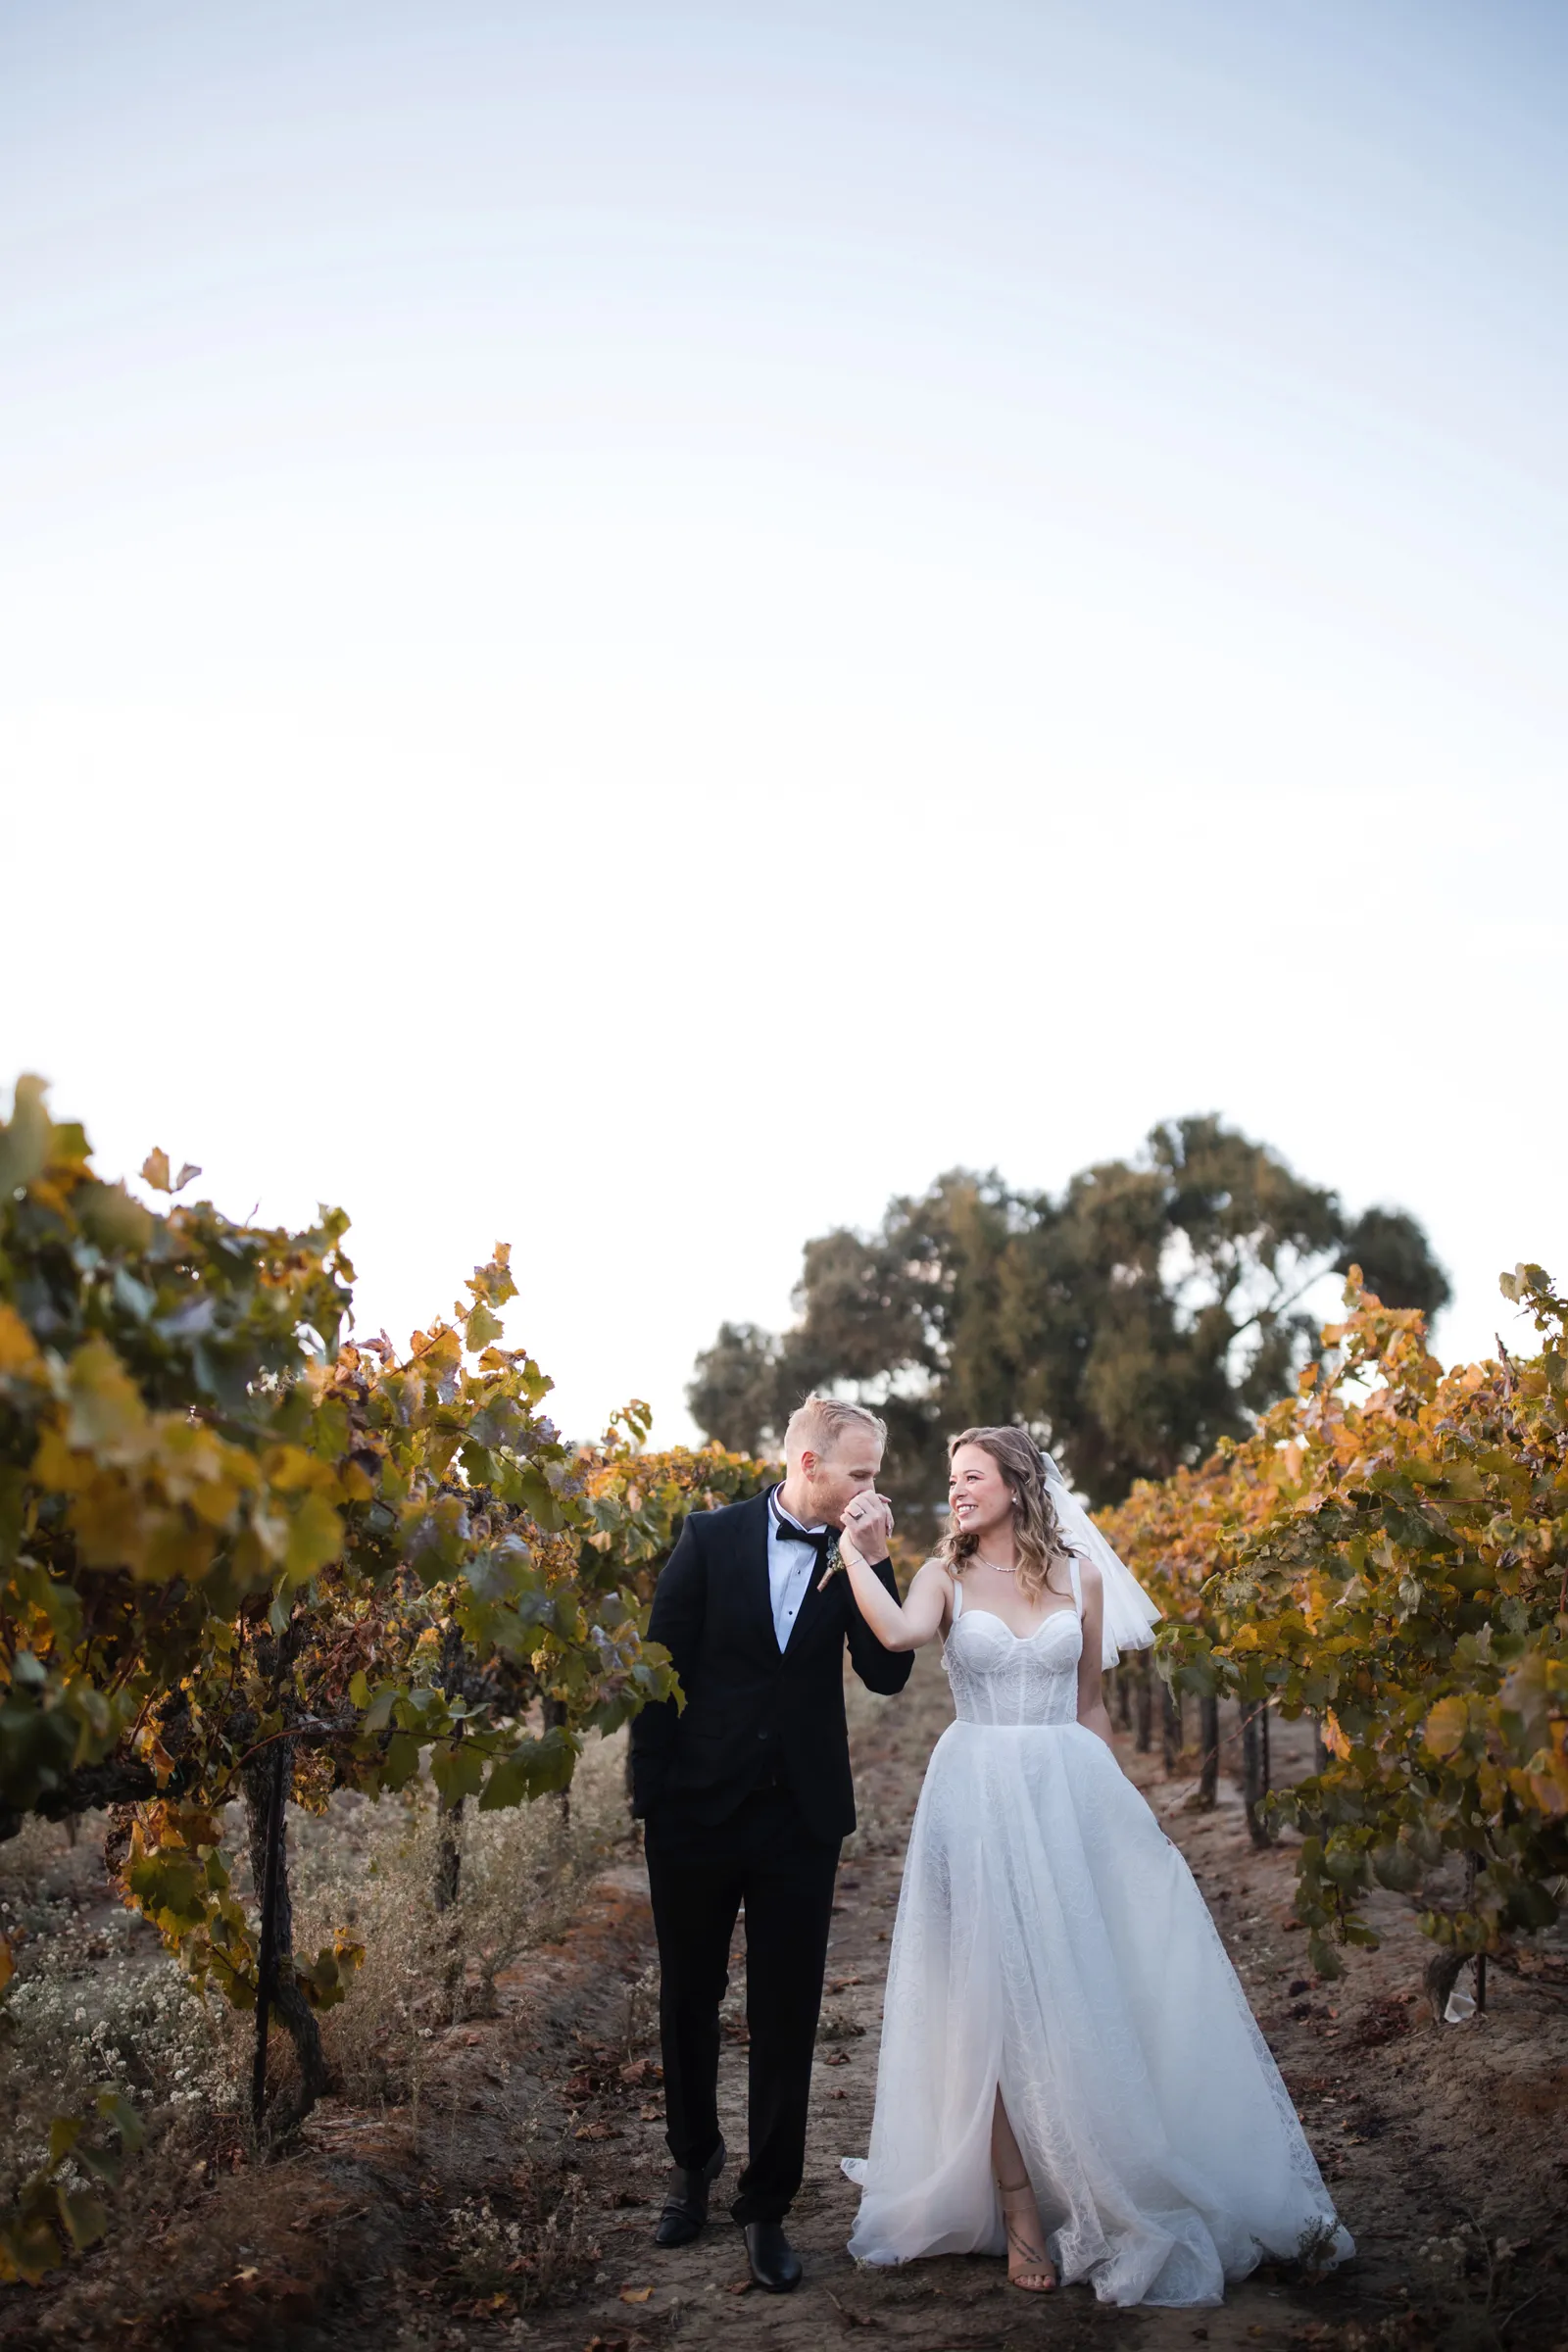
(1051, 1939)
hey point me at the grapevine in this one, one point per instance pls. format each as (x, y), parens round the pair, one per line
(244, 1558)
(1389, 1551)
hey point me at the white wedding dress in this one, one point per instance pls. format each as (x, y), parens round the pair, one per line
(1051, 1939)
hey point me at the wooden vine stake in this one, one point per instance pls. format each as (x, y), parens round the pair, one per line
(1208, 1771)
(1256, 1776)
(266, 1961)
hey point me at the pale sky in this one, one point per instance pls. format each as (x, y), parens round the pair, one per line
(634, 629)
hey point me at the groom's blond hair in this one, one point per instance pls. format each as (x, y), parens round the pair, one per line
(818, 1424)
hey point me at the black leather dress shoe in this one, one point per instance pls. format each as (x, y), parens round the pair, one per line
(775, 2264)
(686, 2206)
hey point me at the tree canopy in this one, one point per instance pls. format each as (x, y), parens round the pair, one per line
(1153, 1307)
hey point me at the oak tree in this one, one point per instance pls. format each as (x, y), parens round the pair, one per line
(1150, 1309)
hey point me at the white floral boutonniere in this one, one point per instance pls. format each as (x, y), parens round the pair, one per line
(832, 1562)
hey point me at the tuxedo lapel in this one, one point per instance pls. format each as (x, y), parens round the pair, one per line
(756, 1598)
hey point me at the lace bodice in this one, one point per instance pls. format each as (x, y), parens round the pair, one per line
(999, 1677)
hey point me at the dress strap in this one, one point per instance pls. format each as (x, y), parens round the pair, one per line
(1077, 1588)
(958, 1598)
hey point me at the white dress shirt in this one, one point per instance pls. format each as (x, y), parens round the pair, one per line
(790, 1567)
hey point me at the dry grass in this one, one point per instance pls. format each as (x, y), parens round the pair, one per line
(542, 2251)
(96, 2004)
(372, 1868)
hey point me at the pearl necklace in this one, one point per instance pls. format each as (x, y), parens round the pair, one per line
(994, 1565)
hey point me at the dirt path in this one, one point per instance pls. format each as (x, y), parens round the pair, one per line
(1419, 2128)
(407, 2229)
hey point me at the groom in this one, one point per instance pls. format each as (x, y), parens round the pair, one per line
(745, 1797)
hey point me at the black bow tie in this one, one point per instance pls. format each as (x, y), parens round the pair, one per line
(818, 1538)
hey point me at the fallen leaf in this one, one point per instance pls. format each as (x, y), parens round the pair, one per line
(636, 2294)
(649, 2114)
(836, 2058)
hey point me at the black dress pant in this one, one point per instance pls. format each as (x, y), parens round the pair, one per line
(766, 1857)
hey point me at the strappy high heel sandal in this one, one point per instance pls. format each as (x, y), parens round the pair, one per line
(1029, 2266)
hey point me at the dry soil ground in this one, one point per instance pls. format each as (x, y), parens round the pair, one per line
(1443, 2144)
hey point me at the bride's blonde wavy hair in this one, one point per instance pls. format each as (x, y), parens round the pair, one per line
(1037, 1534)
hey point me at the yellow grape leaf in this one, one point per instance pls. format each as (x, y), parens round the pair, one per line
(315, 1536)
(107, 1413)
(483, 1327)
(1333, 1739)
(214, 1499)
(291, 1469)
(1445, 1727)
(24, 1144)
(155, 1170)
(17, 1348)
(109, 1522)
(56, 1469)
(439, 1350)
(636, 2294)
(355, 1481)
(174, 1546)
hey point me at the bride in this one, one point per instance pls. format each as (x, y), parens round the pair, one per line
(1069, 2069)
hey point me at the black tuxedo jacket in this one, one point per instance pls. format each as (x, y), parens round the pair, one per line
(752, 1710)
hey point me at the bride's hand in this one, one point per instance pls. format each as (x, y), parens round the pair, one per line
(868, 1526)
(850, 1555)
(847, 1555)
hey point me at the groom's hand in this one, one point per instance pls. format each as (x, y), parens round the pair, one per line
(868, 1524)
